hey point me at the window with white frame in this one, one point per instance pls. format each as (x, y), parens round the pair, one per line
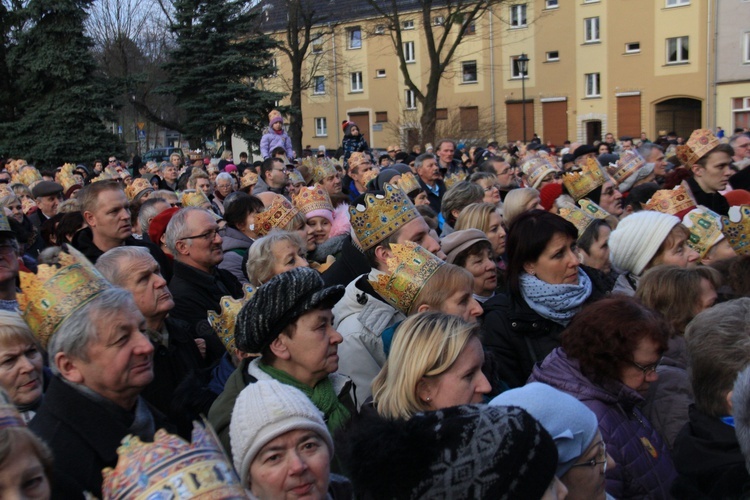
(553, 55)
(409, 52)
(632, 47)
(379, 73)
(518, 15)
(591, 29)
(317, 43)
(551, 4)
(438, 20)
(677, 3)
(356, 81)
(354, 36)
(408, 24)
(746, 49)
(319, 85)
(411, 99)
(592, 85)
(516, 70)
(678, 50)
(321, 127)
(380, 29)
(469, 71)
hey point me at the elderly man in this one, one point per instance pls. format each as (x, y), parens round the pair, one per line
(740, 160)
(653, 153)
(273, 177)
(150, 209)
(9, 253)
(179, 389)
(168, 174)
(430, 180)
(48, 196)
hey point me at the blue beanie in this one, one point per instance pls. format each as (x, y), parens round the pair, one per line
(572, 425)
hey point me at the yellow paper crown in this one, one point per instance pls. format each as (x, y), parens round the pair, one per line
(579, 184)
(408, 183)
(312, 198)
(381, 215)
(170, 467)
(321, 169)
(737, 228)
(670, 201)
(410, 268)
(28, 205)
(356, 159)
(66, 177)
(194, 198)
(278, 214)
(249, 178)
(223, 324)
(368, 176)
(453, 179)
(705, 229)
(27, 175)
(701, 142)
(628, 164)
(109, 173)
(539, 167)
(295, 177)
(6, 191)
(55, 292)
(138, 186)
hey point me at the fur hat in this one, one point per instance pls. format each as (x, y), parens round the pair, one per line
(637, 239)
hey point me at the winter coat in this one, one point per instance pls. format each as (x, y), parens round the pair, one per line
(353, 263)
(332, 246)
(625, 285)
(235, 245)
(436, 200)
(644, 465)
(360, 317)
(668, 398)
(271, 140)
(262, 187)
(352, 144)
(713, 201)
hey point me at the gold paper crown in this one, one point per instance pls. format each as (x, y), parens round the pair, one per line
(27, 175)
(737, 228)
(248, 179)
(579, 184)
(320, 168)
(408, 183)
(312, 198)
(194, 198)
(582, 217)
(55, 292)
(705, 229)
(295, 177)
(539, 167)
(381, 215)
(67, 178)
(670, 201)
(411, 267)
(628, 164)
(138, 186)
(109, 173)
(453, 179)
(9, 416)
(278, 214)
(356, 159)
(5, 190)
(170, 467)
(223, 324)
(28, 205)
(368, 176)
(701, 142)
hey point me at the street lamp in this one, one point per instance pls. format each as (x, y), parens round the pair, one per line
(523, 65)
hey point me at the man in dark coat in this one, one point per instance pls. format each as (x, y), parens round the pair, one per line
(47, 196)
(430, 180)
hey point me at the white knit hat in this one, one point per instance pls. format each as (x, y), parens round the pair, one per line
(637, 239)
(264, 411)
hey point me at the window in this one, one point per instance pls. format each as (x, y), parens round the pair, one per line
(632, 47)
(438, 20)
(317, 43)
(321, 127)
(319, 85)
(592, 85)
(381, 116)
(471, 29)
(551, 4)
(441, 114)
(469, 117)
(355, 38)
(591, 29)
(469, 71)
(677, 3)
(746, 49)
(356, 79)
(553, 55)
(407, 25)
(677, 50)
(379, 73)
(379, 29)
(409, 52)
(518, 16)
(515, 68)
(275, 68)
(411, 99)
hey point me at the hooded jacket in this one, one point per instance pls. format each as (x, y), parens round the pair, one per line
(271, 140)
(235, 246)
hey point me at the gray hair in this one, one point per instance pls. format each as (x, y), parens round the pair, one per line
(164, 194)
(459, 196)
(733, 139)
(72, 337)
(646, 148)
(149, 210)
(176, 227)
(112, 262)
(223, 176)
(260, 257)
(421, 158)
(741, 413)
(163, 165)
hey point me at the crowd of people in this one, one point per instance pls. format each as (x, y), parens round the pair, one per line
(511, 321)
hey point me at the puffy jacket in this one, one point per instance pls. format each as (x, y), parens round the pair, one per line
(644, 466)
(352, 144)
(235, 246)
(271, 140)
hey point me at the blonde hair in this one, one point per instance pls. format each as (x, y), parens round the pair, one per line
(516, 201)
(476, 216)
(447, 280)
(14, 329)
(424, 345)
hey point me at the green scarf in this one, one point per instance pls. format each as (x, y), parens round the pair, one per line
(322, 395)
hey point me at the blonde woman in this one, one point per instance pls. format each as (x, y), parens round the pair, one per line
(487, 218)
(519, 201)
(435, 362)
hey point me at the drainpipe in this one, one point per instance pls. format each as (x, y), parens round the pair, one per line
(492, 76)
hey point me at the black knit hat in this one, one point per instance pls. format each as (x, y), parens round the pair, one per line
(278, 303)
(470, 451)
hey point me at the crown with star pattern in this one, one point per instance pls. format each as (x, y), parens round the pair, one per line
(381, 215)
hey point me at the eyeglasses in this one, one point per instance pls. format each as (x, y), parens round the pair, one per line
(648, 368)
(209, 235)
(281, 170)
(599, 459)
(488, 189)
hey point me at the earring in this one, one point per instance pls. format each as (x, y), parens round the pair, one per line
(533, 273)
(428, 399)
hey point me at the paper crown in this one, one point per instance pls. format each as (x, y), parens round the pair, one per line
(705, 229)
(357, 158)
(27, 175)
(381, 215)
(410, 268)
(194, 198)
(579, 184)
(296, 178)
(28, 205)
(138, 186)
(539, 167)
(583, 215)
(5, 190)
(9, 416)
(55, 292)
(108, 174)
(312, 198)
(249, 178)
(321, 168)
(701, 142)
(670, 201)
(368, 176)
(172, 468)
(223, 323)
(737, 228)
(628, 164)
(408, 183)
(66, 178)
(278, 214)
(453, 179)
(4, 224)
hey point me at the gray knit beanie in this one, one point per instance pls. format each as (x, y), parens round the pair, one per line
(279, 302)
(637, 239)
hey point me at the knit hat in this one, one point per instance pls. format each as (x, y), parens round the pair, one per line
(738, 197)
(458, 241)
(548, 194)
(470, 451)
(276, 119)
(279, 302)
(264, 411)
(159, 224)
(572, 425)
(637, 239)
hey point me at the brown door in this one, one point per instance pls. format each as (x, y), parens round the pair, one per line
(593, 132)
(555, 122)
(363, 123)
(629, 116)
(514, 113)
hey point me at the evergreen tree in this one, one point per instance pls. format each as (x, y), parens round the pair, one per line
(220, 53)
(61, 105)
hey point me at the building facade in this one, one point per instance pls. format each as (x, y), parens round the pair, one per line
(732, 68)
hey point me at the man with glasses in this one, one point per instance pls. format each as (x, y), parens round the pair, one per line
(506, 175)
(273, 178)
